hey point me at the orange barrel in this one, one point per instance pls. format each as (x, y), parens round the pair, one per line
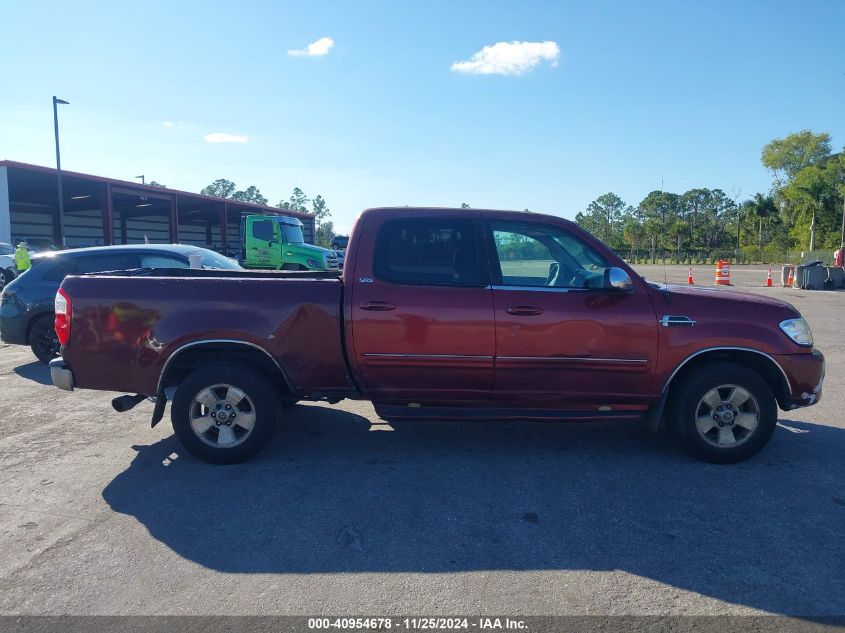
(786, 272)
(723, 272)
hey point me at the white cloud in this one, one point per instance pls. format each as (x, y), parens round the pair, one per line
(315, 49)
(172, 123)
(223, 137)
(509, 58)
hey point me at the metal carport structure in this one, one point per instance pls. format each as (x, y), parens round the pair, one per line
(100, 211)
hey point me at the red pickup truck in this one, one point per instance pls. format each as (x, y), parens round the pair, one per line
(440, 313)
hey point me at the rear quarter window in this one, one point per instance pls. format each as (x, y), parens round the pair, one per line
(57, 271)
(161, 261)
(104, 262)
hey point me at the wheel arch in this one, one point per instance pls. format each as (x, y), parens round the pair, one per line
(199, 353)
(763, 364)
(33, 319)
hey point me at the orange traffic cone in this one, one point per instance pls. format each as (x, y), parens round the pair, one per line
(790, 281)
(769, 278)
(689, 277)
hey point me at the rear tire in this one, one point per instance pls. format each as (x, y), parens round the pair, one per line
(224, 414)
(43, 340)
(6, 276)
(725, 413)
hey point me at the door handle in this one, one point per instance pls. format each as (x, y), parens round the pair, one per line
(524, 310)
(378, 306)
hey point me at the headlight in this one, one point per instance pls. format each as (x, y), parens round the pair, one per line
(798, 331)
(315, 264)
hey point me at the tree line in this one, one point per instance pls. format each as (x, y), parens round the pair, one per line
(802, 211)
(298, 201)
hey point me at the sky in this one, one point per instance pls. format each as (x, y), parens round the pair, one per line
(513, 105)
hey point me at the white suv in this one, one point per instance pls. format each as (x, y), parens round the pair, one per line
(8, 267)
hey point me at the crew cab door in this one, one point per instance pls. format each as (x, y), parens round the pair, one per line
(422, 310)
(561, 337)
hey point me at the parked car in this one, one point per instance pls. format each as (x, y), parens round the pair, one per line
(26, 304)
(466, 314)
(339, 244)
(8, 266)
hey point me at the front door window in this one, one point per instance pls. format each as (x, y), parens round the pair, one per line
(532, 254)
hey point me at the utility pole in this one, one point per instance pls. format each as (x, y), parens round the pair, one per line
(813, 232)
(842, 242)
(738, 224)
(62, 237)
(738, 220)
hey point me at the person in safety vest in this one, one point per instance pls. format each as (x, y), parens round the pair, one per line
(22, 258)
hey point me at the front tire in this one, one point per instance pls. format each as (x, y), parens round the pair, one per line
(224, 414)
(725, 413)
(43, 340)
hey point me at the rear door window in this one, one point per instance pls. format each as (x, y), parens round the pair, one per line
(427, 251)
(107, 261)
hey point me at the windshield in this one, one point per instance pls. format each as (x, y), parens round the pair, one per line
(292, 234)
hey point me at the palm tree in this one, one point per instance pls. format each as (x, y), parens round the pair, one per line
(762, 207)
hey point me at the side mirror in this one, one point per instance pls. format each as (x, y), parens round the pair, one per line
(617, 279)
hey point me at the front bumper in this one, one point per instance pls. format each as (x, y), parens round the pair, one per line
(61, 374)
(806, 377)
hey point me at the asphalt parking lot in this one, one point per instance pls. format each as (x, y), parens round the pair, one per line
(99, 514)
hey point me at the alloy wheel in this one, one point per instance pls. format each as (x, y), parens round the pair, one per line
(222, 416)
(45, 342)
(727, 416)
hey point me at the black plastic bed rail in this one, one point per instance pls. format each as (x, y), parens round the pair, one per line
(217, 273)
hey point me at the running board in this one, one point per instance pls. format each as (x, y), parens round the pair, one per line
(399, 412)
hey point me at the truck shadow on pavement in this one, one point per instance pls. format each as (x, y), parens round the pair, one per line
(35, 371)
(330, 496)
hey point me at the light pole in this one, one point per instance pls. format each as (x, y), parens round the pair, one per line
(142, 179)
(56, 102)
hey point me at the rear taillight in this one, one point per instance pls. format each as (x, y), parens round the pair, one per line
(63, 314)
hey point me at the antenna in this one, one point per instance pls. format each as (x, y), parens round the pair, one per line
(663, 231)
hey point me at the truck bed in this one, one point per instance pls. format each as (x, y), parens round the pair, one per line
(127, 324)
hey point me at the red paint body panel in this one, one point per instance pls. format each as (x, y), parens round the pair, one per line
(590, 347)
(435, 345)
(125, 328)
(444, 347)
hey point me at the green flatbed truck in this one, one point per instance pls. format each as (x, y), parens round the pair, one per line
(276, 243)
